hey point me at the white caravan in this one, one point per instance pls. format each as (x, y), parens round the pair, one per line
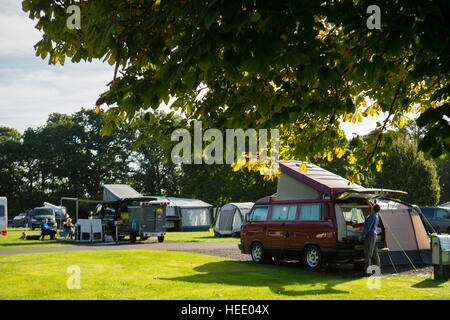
(3, 215)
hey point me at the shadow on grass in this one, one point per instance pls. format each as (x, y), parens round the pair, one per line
(429, 283)
(276, 278)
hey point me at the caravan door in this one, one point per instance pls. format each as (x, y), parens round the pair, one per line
(3, 215)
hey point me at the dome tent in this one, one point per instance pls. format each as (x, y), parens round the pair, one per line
(230, 218)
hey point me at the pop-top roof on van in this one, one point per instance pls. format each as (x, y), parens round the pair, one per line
(316, 182)
(318, 178)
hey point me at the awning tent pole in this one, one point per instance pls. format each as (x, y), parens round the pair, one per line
(76, 204)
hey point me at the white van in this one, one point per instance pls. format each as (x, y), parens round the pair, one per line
(3, 215)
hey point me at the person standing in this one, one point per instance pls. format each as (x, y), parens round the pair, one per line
(369, 235)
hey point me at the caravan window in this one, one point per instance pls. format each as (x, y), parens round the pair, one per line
(2, 211)
(283, 212)
(258, 214)
(310, 212)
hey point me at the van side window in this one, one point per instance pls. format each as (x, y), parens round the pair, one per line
(283, 212)
(258, 214)
(310, 212)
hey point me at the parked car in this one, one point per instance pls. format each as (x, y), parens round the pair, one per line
(436, 219)
(40, 214)
(19, 220)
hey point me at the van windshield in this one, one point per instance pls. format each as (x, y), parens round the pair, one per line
(43, 212)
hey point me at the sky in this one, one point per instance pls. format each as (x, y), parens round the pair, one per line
(31, 89)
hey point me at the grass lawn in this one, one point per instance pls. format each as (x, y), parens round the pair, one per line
(147, 274)
(12, 240)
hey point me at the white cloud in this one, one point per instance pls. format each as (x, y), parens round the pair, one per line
(17, 32)
(29, 95)
(30, 89)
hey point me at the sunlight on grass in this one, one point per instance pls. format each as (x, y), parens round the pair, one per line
(147, 274)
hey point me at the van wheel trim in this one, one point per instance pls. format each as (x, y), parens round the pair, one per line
(313, 257)
(257, 253)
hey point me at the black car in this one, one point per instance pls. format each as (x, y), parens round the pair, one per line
(436, 219)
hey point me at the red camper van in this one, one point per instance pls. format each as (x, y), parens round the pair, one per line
(315, 216)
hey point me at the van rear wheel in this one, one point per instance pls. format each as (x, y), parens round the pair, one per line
(313, 257)
(258, 254)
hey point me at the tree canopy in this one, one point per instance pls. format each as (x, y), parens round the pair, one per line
(298, 65)
(405, 168)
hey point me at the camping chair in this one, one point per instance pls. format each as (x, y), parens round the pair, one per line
(45, 232)
(68, 232)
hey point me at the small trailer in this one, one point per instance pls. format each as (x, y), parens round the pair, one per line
(124, 212)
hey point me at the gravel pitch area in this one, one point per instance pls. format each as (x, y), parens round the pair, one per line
(227, 250)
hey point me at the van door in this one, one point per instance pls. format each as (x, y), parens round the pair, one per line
(256, 225)
(280, 221)
(312, 226)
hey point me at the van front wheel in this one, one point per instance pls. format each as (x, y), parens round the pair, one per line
(313, 257)
(257, 252)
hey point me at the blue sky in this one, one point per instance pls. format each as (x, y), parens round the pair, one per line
(30, 89)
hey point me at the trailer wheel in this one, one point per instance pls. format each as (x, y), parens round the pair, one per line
(133, 237)
(144, 238)
(161, 239)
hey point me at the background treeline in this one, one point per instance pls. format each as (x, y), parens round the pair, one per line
(68, 157)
